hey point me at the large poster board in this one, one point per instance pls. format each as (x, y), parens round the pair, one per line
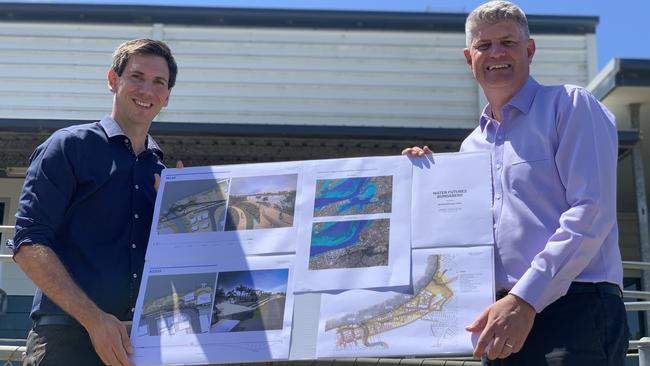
(233, 248)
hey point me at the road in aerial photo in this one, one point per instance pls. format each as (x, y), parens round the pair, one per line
(193, 206)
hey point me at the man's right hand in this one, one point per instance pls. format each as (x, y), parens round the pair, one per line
(107, 333)
(111, 341)
(417, 151)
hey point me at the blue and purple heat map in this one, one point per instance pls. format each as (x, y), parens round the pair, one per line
(328, 236)
(352, 196)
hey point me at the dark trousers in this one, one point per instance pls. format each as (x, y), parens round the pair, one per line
(586, 328)
(54, 345)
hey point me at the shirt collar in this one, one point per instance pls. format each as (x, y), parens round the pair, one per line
(484, 119)
(524, 97)
(522, 100)
(112, 129)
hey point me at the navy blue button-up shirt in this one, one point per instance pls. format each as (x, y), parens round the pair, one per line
(90, 198)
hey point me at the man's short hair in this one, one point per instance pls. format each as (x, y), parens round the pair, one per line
(144, 46)
(494, 12)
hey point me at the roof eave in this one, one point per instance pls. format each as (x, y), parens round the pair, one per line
(273, 18)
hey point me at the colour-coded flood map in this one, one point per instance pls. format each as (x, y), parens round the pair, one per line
(349, 244)
(353, 196)
(193, 206)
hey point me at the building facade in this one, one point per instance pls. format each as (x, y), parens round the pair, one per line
(257, 85)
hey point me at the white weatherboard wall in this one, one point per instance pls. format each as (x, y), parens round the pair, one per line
(267, 75)
(263, 76)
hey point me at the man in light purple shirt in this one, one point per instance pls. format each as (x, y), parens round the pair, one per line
(554, 154)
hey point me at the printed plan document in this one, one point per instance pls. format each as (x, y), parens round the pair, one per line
(449, 286)
(354, 233)
(449, 204)
(354, 257)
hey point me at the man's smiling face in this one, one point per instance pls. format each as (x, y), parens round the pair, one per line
(499, 57)
(141, 91)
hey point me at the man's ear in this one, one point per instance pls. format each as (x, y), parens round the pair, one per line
(111, 76)
(530, 49)
(468, 56)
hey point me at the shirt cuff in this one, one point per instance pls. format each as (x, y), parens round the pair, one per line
(539, 290)
(17, 243)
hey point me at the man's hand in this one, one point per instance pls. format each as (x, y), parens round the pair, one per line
(504, 327)
(417, 151)
(110, 339)
(107, 334)
(156, 176)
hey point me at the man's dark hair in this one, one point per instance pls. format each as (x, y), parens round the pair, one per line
(144, 46)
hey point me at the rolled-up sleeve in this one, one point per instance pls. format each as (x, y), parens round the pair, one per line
(586, 163)
(48, 188)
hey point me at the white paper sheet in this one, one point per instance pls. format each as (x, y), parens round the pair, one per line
(233, 311)
(356, 230)
(452, 286)
(452, 200)
(233, 209)
(348, 222)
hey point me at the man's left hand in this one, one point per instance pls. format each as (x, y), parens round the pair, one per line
(156, 176)
(504, 327)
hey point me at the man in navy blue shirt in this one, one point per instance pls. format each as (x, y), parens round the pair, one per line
(85, 213)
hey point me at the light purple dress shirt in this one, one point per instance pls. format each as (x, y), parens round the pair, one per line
(554, 191)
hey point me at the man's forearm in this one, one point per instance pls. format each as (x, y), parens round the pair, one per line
(43, 266)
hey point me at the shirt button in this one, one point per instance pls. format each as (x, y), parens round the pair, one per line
(126, 141)
(133, 245)
(137, 186)
(136, 216)
(494, 226)
(135, 275)
(133, 310)
(497, 196)
(498, 166)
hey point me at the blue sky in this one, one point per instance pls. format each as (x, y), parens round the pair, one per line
(263, 184)
(619, 33)
(271, 280)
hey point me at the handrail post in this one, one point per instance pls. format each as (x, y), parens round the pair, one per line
(641, 203)
(644, 351)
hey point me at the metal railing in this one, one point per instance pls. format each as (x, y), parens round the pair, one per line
(10, 352)
(642, 345)
(10, 349)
